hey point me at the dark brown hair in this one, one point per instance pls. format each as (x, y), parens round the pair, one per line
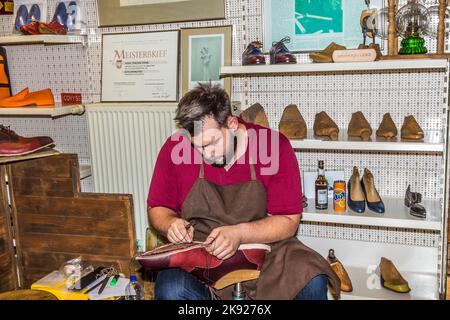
(203, 101)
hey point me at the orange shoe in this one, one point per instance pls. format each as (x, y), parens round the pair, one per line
(19, 96)
(26, 99)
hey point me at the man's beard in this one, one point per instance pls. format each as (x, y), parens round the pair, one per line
(224, 161)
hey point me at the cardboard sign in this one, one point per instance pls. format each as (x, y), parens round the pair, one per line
(70, 98)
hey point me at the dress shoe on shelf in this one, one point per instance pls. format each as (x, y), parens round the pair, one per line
(412, 200)
(253, 54)
(391, 278)
(356, 199)
(280, 54)
(41, 98)
(387, 128)
(58, 23)
(292, 124)
(359, 127)
(338, 268)
(21, 17)
(324, 126)
(32, 25)
(411, 129)
(255, 114)
(373, 199)
(326, 55)
(304, 201)
(11, 144)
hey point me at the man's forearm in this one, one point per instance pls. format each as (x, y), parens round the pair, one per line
(161, 218)
(269, 229)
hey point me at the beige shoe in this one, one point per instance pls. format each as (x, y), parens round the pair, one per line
(387, 128)
(359, 127)
(411, 129)
(255, 114)
(324, 126)
(326, 55)
(391, 278)
(292, 124)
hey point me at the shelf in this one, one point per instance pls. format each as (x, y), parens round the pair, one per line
(367, 286)
(45, 39)
(85, 171)
(56, 111)
(333, 67)
(396, 215)
(47, 152)
(432, 142)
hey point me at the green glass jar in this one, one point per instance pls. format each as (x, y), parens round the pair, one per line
(413, 45)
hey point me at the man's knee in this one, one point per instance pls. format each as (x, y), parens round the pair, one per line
(169, 285)
(316, 289)
(177, 284)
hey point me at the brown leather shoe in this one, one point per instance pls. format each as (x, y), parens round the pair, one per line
(387, 128)
(255, 114)
(411, 129)
(359, 127)
(12, 144)
(338, 268)
(326, 55)
(292, 124)
(324, 126)
(391, 278)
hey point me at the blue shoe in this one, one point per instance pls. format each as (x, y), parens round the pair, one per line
(58, 23)
(368, 187)
(72, 14)
(32, 24)
(21, 17)
(35, 14)
(354, 187)
(60, 15)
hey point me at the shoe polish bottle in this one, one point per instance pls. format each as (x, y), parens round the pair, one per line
(321, 188)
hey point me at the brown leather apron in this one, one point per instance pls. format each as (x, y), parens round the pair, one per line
(287, 268)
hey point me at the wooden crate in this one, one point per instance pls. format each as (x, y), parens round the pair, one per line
(54, 222)
(8, 274)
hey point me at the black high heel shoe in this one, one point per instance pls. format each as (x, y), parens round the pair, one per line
(356, 200)
(368, 187)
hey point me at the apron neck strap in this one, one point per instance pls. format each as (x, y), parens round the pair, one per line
(201, 174)
(252, 169)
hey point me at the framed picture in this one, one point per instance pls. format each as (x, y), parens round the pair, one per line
(204, 51)
(140, 67)
(134, 12)
(313, 25)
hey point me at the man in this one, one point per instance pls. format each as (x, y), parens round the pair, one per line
(239, 183)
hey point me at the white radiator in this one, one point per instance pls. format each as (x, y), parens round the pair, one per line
(125, 140)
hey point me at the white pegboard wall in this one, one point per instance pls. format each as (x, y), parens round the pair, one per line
(412, 237)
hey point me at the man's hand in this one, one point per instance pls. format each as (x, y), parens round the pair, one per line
(177, 231)
(223, 242)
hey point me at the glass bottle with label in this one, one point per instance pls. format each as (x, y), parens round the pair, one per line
(321, 188)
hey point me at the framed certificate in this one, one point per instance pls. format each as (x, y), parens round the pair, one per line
(140, 67)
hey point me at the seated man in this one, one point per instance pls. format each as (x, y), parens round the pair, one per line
(232, 183)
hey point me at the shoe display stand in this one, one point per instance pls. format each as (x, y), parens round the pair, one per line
(57, 111)
(44, 39)
(385, 65)
(416, 246)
